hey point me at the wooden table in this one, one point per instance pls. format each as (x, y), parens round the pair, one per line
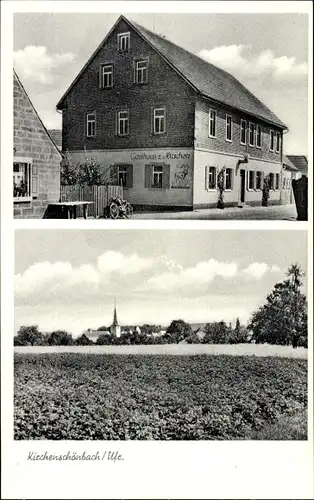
(70, 207)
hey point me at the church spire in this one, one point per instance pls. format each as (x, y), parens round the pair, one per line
(115, 318)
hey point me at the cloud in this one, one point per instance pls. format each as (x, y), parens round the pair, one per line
(36, 64)
(256, 270)
(45, 278)
(202, 273)
(116, 262)
(234, 58)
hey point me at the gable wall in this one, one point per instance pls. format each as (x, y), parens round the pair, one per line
(31, 141)
(165, 88)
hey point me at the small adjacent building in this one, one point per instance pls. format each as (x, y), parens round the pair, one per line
(36, 159)
(169, 125)
(289, 172)
(300, 162)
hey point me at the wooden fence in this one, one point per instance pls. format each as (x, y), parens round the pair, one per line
(100, 195)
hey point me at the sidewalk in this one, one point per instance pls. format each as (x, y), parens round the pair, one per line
(277, 212)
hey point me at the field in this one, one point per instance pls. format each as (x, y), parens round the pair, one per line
(117, 397)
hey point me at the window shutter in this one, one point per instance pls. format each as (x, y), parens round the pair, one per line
(206, 177)
(148, 176)
(166, 176)
(129, 176)
(34, 177)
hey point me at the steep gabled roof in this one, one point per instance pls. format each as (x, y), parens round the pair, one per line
(300, 162)
(205, 78)
(56, 136)
(15, 75)
(288, 164)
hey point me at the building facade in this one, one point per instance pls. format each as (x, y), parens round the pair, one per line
(168, 125)
(36, 159)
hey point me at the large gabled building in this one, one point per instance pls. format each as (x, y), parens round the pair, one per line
(166, 123)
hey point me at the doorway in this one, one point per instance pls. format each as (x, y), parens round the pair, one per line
(242, 186)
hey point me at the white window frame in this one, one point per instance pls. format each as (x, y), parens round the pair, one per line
(251, 144)
(29, 162)
(261, 177)
(231, 123)
(272, 139)
(125, 121)
(278, 142)
(90, 121)
(258, 129)
(141, 71)
(231, 179)
(124, 36)
(103, 73)
(212, 119)
(161, 119)
(251, 188)
(245, 138)
(208, 182)
(158, 171)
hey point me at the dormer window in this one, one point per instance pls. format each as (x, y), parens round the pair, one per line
(106, 76)
(123, 42)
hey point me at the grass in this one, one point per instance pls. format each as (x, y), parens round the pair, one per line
(119, 397)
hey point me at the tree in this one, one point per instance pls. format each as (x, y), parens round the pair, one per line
(68, 171)
(29, 335)
(60, 337)
(216, 333)
(83, 340)
(102, 329)
(283, 318)
(104, 340)
(178, 330)
(238, 335)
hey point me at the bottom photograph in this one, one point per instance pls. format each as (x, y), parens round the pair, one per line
(160, 335)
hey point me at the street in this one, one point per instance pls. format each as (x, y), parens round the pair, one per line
(276, 212)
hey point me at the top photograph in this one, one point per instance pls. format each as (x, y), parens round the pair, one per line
(160, 116)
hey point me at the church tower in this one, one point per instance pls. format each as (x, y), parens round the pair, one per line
(115, 328)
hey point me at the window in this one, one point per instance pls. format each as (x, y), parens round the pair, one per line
(212, 123)
(271, 181)
(278, 137)
(106, 76)
(243, 132)
(141, 73)
(258, 180)
(157, 176)
(272, 141)
(229, 128)
(284, 183)
(258, 136)
(23, 181)
(212, 178)
(91, 125)
(123, 42)
(159, 121)
(122, 175)
(251, 180)
(123, 123)
(228, 178)
(277, 182)
(251, 134)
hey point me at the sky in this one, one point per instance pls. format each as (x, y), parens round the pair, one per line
(268, 53)
(68, 279)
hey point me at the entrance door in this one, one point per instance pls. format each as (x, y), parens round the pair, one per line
(242, 186)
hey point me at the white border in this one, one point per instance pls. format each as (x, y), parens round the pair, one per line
(150, 470)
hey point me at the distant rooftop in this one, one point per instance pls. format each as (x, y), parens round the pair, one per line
(56, 136)
(300, 162)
